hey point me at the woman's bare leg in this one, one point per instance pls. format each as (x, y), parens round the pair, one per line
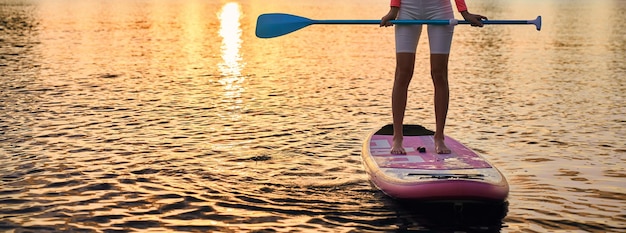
(439, 73)
(405, 64)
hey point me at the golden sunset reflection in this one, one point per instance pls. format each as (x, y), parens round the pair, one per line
(230, 67)
(170, 116)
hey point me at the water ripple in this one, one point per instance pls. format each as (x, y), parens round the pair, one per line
(116, 119)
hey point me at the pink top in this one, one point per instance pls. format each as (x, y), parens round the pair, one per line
(460, 4)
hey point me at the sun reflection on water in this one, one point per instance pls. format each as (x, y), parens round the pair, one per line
(230, 67)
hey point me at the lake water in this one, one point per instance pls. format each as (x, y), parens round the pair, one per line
(171, 115)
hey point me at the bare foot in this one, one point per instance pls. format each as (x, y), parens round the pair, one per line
(441, 147)
(396, 148)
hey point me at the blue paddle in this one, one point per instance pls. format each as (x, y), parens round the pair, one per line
(278, 24)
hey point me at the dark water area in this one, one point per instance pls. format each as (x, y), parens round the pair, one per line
(171, 116)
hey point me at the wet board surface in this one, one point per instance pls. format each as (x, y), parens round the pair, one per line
(460, 158)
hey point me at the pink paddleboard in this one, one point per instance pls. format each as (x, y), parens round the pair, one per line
(461, 175)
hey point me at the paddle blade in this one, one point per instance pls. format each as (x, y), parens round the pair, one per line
(278, 24)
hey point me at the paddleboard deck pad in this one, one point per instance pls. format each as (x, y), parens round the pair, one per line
(423, 174)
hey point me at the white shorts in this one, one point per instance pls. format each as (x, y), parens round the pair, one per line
(439, 36)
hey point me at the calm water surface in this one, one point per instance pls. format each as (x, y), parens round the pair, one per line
(171, 115)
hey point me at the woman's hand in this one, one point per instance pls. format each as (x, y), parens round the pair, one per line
(393, 14)
(475, 20)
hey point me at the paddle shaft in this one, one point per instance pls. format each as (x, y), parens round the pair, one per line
(434, 22)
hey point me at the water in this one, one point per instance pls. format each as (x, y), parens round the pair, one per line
(172, 116)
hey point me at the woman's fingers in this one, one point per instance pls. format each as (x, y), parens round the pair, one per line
(385, 22)
(476, 20)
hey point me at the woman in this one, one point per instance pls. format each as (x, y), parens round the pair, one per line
(440, 39)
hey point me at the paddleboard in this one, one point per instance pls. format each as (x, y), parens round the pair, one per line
(424, 174)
